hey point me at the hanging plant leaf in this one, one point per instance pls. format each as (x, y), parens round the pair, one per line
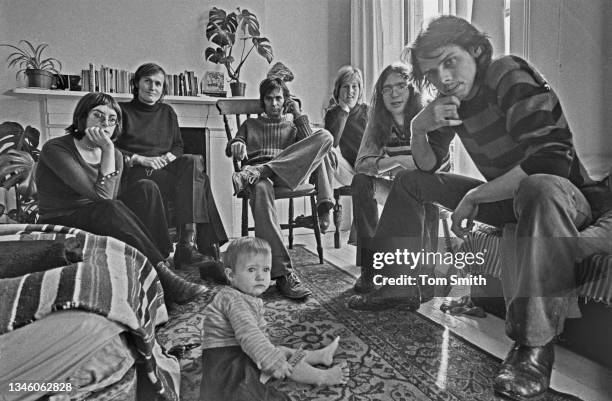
(264, 48)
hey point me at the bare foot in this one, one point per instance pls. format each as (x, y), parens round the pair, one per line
(337, 374)
(328, 352)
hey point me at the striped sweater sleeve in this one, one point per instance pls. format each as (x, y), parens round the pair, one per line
(248, 329)
(533, 116)
(303, 127)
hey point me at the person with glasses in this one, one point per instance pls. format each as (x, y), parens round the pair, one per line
(153, 148)
(385, 150)
(78, 178)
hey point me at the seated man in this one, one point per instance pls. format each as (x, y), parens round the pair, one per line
(512, 125)
(279, 152)
(153, 148)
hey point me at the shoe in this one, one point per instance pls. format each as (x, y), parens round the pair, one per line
(525, 373)
(210, 253)
(374, 301)
(303, 221)
(365, 282)
(213, 270)
(183, 254)
(324, 222)
(363, 286)
(176, 288)
(242, 179)
(291, 287)
(323, 210)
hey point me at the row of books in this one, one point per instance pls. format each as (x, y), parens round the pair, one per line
(113, 80)
(105, 79)
(183, 84)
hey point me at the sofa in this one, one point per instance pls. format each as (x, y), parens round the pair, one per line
(78, 313)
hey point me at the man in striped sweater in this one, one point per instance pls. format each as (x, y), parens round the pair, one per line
(278, 152)
(512, 125)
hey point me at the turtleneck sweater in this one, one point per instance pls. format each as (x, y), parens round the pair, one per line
(149, 130)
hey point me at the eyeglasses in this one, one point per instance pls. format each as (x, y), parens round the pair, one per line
(109, 121)
(401, 88)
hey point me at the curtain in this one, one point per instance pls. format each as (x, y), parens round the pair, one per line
(379, 31)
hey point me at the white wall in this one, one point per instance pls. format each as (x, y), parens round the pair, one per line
(569, 43)
(311, 37)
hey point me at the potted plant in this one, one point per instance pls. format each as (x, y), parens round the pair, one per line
(38, 70)
(226, 30)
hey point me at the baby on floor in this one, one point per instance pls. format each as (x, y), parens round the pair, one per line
(238, 357)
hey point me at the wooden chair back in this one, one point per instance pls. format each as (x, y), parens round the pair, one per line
(241, 109)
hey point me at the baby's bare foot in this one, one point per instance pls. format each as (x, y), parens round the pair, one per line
(337, 374)
(327, 353)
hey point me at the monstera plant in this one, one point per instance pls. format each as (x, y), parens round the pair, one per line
(18, 157)
(234, 37)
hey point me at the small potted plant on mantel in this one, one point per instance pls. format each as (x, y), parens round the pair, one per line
(226, 30)
(38, 70)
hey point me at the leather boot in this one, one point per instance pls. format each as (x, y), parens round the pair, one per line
(365, 283)
(176, 288)
(525, 373)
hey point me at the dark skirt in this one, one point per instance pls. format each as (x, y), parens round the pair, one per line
(228, 374)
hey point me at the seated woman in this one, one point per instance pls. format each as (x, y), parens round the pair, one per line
(346, 120)
(153, 149)
(384, 151)
(78, 177)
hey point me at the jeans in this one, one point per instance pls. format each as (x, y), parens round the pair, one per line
(538, 255)
(291, 167)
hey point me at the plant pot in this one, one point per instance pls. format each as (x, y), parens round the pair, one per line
(39, 78)
(238, 88)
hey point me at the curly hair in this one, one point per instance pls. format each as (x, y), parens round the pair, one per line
(444, 31)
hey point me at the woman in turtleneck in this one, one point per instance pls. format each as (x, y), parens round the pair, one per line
(153, 148)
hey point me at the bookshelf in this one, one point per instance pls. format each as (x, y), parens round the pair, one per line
(42, 94)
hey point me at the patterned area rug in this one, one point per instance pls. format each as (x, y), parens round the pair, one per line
(394, 355)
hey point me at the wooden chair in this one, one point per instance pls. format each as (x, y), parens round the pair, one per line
(243, 109)
(338, 192)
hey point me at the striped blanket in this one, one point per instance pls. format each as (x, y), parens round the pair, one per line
(113, 280)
